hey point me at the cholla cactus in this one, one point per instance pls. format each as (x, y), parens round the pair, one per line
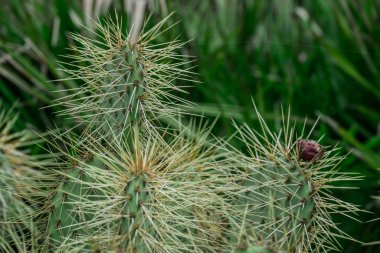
(287, 204)
(127, 186)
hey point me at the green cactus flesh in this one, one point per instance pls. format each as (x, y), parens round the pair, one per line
(258, 249)
(280, 205)
(65, 217)
(125, 109)
(131, 213)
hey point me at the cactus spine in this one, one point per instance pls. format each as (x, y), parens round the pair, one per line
(18, 194)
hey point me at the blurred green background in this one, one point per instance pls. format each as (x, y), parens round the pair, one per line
(320, 58)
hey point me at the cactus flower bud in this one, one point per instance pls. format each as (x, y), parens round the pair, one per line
(310, 150)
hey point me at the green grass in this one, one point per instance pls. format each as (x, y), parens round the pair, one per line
(321, 58)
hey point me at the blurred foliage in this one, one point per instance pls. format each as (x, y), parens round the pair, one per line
(320, 58)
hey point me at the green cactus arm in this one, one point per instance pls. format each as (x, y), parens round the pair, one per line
(125, 81)
(131, 213)
(69, 188)
(286, 204)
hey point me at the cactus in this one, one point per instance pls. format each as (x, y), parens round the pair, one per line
(287, 205)
(127, 184)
